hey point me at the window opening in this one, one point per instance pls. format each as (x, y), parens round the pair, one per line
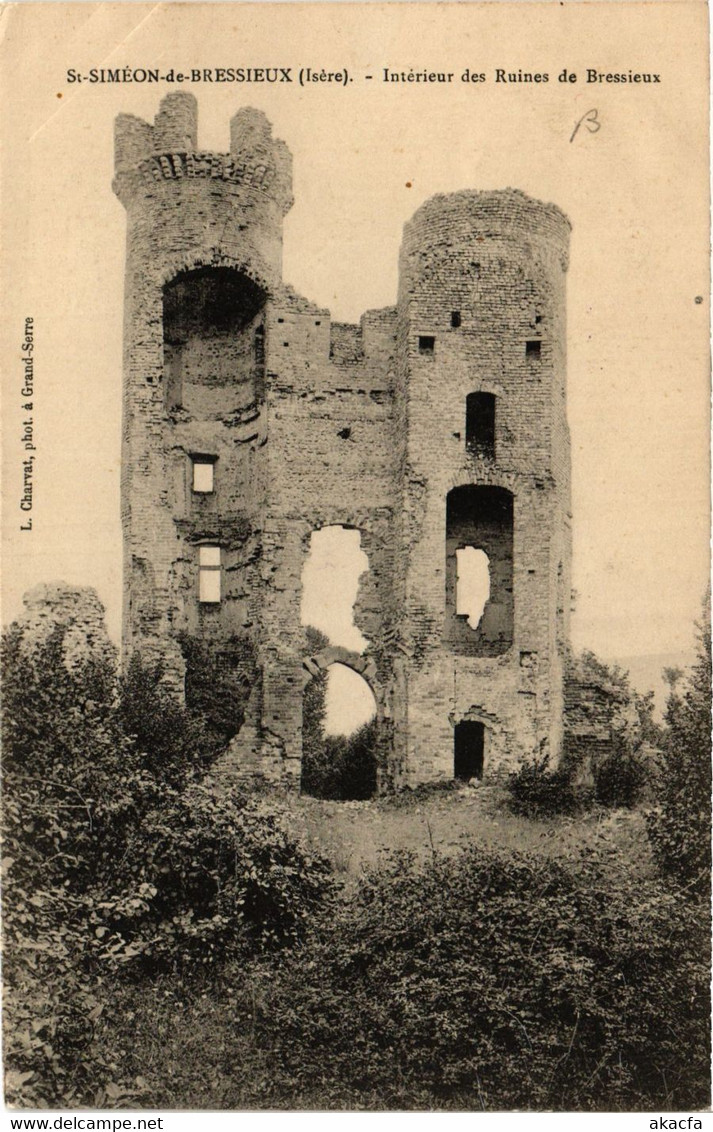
(203, 474)
(330, 584)
(209, 574)
(479, 518)
(468, 750)
(532, 348)
(212, 317)
(426, 344)
(480, 424)
(455, 319)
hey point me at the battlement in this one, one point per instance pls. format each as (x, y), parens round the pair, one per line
(167, 150)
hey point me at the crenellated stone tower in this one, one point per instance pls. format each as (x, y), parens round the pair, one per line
(436, 428)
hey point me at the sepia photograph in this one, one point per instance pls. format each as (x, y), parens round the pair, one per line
(356, 669)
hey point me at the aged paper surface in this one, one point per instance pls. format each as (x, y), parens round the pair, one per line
(599, 108)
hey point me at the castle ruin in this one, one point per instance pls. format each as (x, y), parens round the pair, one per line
(435, 428)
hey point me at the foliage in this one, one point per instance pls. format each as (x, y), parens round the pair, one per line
(679, 828)
(495, 981)
(343, 767)
(336, 767)
(634, 723)
(118, 862)
(313, 711)
(536, 791)
(620, 778)
(209, 877)
(603, 695)
(218, 683)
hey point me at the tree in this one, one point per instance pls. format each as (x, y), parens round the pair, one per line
(679, 828)
(335, 767)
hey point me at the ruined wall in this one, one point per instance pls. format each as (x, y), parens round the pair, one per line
(303, 423)
(78, 611)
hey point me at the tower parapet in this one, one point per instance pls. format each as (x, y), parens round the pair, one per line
(453, 223)
(160, 169)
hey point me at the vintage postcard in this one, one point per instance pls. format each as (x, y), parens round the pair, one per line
(356, 550)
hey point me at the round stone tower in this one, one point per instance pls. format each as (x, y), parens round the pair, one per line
(204, 252)
(485, 459)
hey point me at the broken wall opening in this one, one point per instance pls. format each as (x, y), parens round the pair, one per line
(472, 584)
(330, 584)
(479, 518)
(339, 751)
(213, 342)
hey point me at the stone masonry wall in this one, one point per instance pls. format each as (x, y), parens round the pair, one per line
(309, 423)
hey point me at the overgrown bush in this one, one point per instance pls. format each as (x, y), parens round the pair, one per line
(620, 778)
(535, 791)
(218, 683)
(494, 981)
(118, 863)
(679, 828)
(208, 878)
(342, 767)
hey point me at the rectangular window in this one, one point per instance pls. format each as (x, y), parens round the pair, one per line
(203, 476)
(532, 348)
(202, 473)
(209, 574)
(426, 344)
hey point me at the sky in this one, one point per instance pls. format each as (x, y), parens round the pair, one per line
(366, 155)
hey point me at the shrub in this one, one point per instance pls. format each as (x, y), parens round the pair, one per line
(537, 792)
(620, 778)
(342, 767)
(208, 878)
(171, 742)
(218, 683)
(679, 829)
(496, 981)
(117, 862)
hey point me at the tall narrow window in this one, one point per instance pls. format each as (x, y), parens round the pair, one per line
(480, 424)
(209, 574)
(203, 474)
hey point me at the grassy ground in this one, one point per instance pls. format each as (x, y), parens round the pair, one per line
(193, 1048)
(354, 834)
